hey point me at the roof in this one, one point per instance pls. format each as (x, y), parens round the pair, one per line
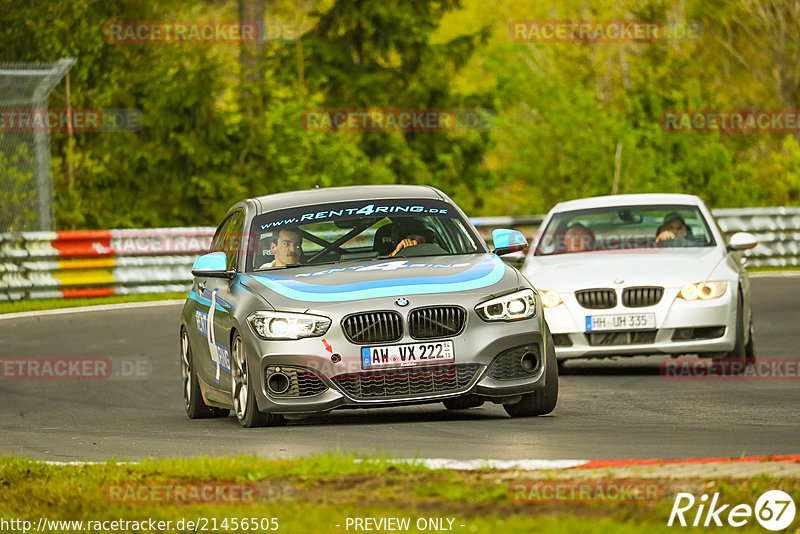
(292, 199)
(628, 200)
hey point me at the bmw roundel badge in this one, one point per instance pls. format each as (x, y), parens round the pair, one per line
(401, 302)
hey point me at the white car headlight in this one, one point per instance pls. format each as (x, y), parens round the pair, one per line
(703, 290)
(550, 299)
(511, 307)
(281, 325)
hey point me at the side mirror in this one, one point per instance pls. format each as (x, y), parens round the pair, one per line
(213, 265)
(742, 241)
(508, 241)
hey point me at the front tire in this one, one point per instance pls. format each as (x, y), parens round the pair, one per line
(192, 397)
(544, 401)
(243, 391)
(739, 351)
(750, 349)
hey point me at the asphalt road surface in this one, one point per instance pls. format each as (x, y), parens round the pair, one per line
(606, 409)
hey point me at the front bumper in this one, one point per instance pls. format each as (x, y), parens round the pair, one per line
(328, 385)
(716, 317)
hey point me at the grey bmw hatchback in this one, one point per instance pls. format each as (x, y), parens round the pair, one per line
(358, 297)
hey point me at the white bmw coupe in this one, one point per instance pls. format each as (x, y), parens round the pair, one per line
(642, 274)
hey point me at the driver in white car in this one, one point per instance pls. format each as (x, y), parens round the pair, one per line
(673, 227)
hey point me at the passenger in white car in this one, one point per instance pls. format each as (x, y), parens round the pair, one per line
(578, 238)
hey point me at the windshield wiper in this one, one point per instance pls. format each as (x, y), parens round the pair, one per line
(400, 255)
(265, 269)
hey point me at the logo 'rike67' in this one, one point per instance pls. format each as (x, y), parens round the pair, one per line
(774, 510)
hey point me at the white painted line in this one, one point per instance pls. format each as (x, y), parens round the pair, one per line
(430, 463)
(473, 465)
(76, 463)
(81, 309)
(775, 274)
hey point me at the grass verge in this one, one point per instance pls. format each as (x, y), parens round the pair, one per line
(52, 304)
(318, 495)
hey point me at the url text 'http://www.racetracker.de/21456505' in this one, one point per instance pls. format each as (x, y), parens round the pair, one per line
(195, 524)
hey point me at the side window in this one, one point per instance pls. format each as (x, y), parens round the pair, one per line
(217, 244)
(228, 238)
(233, 238)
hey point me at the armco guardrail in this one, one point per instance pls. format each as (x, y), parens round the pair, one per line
(777, 231)
(115, 262)
(98, 262)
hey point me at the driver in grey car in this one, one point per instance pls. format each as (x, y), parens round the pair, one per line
(410, 241)
(286, 247)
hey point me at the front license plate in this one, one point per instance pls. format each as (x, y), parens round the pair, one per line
(626, 321)
(407, 355)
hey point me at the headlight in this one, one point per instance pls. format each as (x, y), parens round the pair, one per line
(550, 299)
(703, 290)
(282, 325)
(519, 305)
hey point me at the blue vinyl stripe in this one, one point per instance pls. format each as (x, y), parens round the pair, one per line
(205, 302)
(480, 275)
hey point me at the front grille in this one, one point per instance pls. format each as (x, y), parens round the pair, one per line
(509, 364)
(597, 299)
(302, 382)
(407, 382)
(439, 321)
(373, 327)
(639, 297)
(601, 339)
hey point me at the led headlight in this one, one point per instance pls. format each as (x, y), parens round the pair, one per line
(703, 290)
(512, 307)
(281, 325)
(550, 299)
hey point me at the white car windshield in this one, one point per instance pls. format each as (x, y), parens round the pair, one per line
(624, 228)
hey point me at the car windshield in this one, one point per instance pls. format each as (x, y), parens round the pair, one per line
(343, 231)
(624, 228)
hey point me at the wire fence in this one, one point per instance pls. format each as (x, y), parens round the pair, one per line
(26, 180)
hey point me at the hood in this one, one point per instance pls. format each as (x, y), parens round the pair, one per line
(356, 280)
(661, 267)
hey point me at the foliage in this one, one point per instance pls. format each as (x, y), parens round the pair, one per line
(217, 130)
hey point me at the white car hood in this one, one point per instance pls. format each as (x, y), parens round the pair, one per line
(651, 267)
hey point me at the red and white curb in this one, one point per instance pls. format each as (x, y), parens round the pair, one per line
(536, 465)
(596, 464)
